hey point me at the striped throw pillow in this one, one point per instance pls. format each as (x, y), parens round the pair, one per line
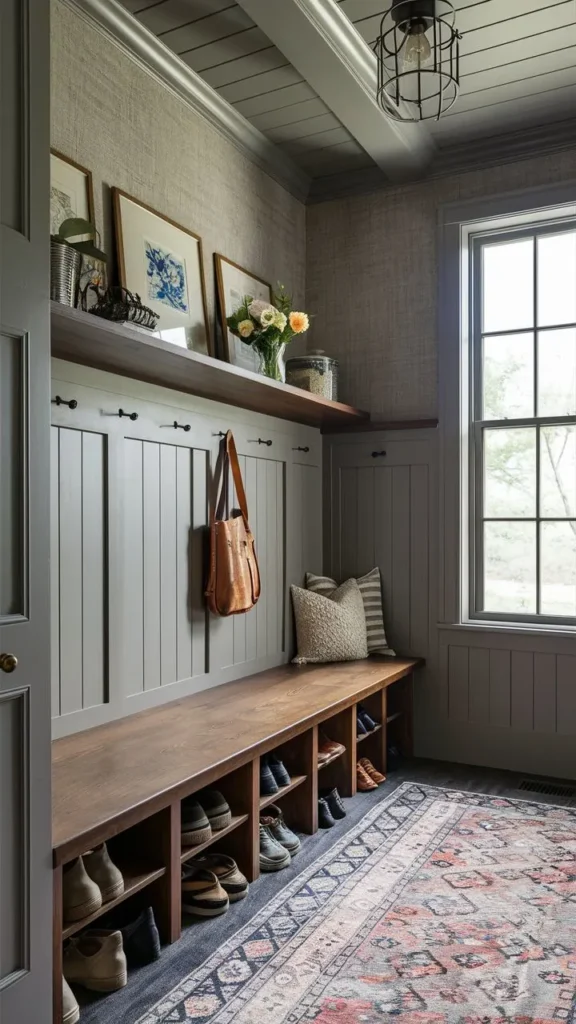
(371, 590)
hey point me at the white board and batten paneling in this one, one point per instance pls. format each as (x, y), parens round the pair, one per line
(130, 510)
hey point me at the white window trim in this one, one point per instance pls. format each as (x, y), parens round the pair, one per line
(456, 223)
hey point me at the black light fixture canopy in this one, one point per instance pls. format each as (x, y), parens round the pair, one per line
(418, 59)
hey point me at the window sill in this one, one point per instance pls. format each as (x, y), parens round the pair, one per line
(515, 628)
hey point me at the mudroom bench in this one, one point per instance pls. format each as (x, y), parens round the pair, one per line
(123, 782)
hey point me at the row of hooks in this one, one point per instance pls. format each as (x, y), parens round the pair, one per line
(73, 404)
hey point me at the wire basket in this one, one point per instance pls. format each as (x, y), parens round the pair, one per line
(121, 306)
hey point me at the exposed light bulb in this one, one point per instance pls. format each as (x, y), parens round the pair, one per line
(417, 50)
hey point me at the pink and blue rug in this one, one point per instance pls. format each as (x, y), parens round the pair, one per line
(438, 907)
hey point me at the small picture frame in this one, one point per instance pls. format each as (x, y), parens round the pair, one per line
(71, 191)
(162, 262)
(234, 283)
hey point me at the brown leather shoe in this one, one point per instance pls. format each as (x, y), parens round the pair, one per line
(371, 771)
(363, 781)
(328, 749)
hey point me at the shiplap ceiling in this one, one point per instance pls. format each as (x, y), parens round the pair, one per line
(518, 72)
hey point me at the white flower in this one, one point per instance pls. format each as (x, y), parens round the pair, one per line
(245, 328)
(280, 320)
(268, 317)
(257, 307)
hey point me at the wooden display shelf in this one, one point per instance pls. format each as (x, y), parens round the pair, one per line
(189, 852)
(271, 798)
(90, 340)
(366, 735)
(135, 879)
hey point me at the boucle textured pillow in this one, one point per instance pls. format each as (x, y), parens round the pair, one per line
(371, 590)
(330, 628)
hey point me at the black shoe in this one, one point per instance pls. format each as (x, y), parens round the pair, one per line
(367, 719)
(361, 729)
(325, 819)
(334, 801)
(140, 939)
(268, 784)
(278, 770)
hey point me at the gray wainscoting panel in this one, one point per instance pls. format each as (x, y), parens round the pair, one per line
(130, 514)
(78, 569)
(382, 512)
(164, 634)
(13, 832)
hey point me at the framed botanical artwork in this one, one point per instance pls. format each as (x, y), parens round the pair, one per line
(71, 191)
(162, 262)
(234, 284)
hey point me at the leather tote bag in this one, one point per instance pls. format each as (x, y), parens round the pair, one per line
(234, 580)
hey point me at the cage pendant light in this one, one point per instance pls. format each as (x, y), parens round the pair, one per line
(418, 59)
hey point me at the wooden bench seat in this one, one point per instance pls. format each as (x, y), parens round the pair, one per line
(123, 782)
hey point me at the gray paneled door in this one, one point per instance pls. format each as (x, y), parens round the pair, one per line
(25, 846)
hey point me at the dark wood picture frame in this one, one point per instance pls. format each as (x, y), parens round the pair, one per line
(89, 180)
(117, 195)
(218, 261)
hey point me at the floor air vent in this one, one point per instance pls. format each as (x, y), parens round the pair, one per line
(548, 788)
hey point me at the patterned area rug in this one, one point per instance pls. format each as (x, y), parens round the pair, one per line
(439, 906)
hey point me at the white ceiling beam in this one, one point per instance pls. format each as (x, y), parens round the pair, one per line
(328, 51)
(142, 46)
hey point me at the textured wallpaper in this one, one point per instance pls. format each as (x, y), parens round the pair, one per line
(371, 281)
(114, 118)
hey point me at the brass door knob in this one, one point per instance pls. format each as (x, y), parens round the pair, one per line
(8, 662)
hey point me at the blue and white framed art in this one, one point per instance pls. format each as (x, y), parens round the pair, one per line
(162, 262)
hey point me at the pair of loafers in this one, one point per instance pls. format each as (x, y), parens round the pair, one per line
(273, 775)
(330, 808)
(364, 722)
(202, 815)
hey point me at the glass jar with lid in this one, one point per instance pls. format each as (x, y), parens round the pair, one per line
(314, 372)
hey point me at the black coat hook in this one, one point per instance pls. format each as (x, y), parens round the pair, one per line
(221, 433)
(258, 440)
(300, 449)
(376, 455)
(130, 415)
(72, 404)
(181, 426)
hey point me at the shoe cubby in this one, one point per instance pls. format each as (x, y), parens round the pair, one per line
(240, 790)
(298, 800)
(372, 744)
(340, 769)
(399, 717)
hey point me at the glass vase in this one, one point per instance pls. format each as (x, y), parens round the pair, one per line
(272, 360)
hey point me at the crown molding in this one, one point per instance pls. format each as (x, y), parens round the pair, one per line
(473, 155)
(146, 50)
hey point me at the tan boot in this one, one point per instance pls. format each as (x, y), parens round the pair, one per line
(81, 896)
(70, 1008)
(106, 875)
(97, 961)
(370, 770)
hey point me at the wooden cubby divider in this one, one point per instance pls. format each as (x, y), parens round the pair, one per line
(145, 841)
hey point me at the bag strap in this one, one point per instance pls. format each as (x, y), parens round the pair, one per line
(227, 460)
(236, 474)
